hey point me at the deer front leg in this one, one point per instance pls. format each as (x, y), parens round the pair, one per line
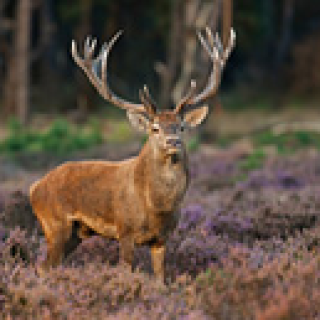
(157, 257)
(126, 250)
(56, 239)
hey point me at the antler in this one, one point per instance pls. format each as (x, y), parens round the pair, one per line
(219, 56)
(147, 100)
(90, 66)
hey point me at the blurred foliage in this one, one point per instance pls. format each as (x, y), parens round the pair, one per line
(289, 141)
(120, 132)
(59, 139)
(146, 29)
(148, 26)
(244, 98)
(193, 142)
(254, 161)
(306, 63)
(285, 143)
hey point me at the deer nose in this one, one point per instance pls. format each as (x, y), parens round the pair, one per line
(174, 142)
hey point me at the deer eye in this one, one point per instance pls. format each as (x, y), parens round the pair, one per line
(155, 128)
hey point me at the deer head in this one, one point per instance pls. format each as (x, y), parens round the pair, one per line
(163, 127)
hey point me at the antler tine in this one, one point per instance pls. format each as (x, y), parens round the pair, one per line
(87, 47)
(211, 39)
(147, 92)
(218, 44)
(91, 48)
(231, 44)
(88, 65)
(211, 52)
(147, 101)
(74, 52)
(150, 99)
(219, 56)
(106, 48)
(189, 96)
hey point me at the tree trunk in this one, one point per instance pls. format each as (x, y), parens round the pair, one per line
(194, 63)
(185, 61)
(22, 62)
(8, 77)
(9, 85)
(84, 91)
(227, 24)
(17, 82)
(169, 72)
(286, 32)
(46, 49)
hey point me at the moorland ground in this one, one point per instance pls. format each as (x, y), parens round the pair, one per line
(247, 245)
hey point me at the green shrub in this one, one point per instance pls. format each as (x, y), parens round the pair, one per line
(254, 161)
(193, 143)
(290, 141)
(61, 138)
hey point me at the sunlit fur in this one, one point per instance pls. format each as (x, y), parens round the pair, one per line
(134, 201)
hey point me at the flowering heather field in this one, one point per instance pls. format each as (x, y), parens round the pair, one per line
(247, 247)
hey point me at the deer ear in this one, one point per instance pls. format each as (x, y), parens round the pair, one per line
(139, 121)
(196, 116)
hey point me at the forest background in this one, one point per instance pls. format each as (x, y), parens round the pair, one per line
(274, 66)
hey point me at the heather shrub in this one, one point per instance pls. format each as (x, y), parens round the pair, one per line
(96, 249)
(161, 311)
(249, 215)
(95, 290)
(242, 249)
(18, 212)
(281, 289)
(209, 174)
(16, 247)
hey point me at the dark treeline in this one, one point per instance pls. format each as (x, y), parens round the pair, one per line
(277, 47)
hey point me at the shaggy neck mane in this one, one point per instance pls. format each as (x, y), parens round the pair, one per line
(158, 180)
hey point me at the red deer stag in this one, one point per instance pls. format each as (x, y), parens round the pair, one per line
(135, 200)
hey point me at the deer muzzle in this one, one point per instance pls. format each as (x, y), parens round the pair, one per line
(173, 144)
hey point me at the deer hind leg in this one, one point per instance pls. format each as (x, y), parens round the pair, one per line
(77, 235)
(157, 258)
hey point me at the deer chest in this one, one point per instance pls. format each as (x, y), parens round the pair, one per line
(156, 227)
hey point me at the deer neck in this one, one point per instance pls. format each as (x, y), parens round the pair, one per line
(164, 179)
